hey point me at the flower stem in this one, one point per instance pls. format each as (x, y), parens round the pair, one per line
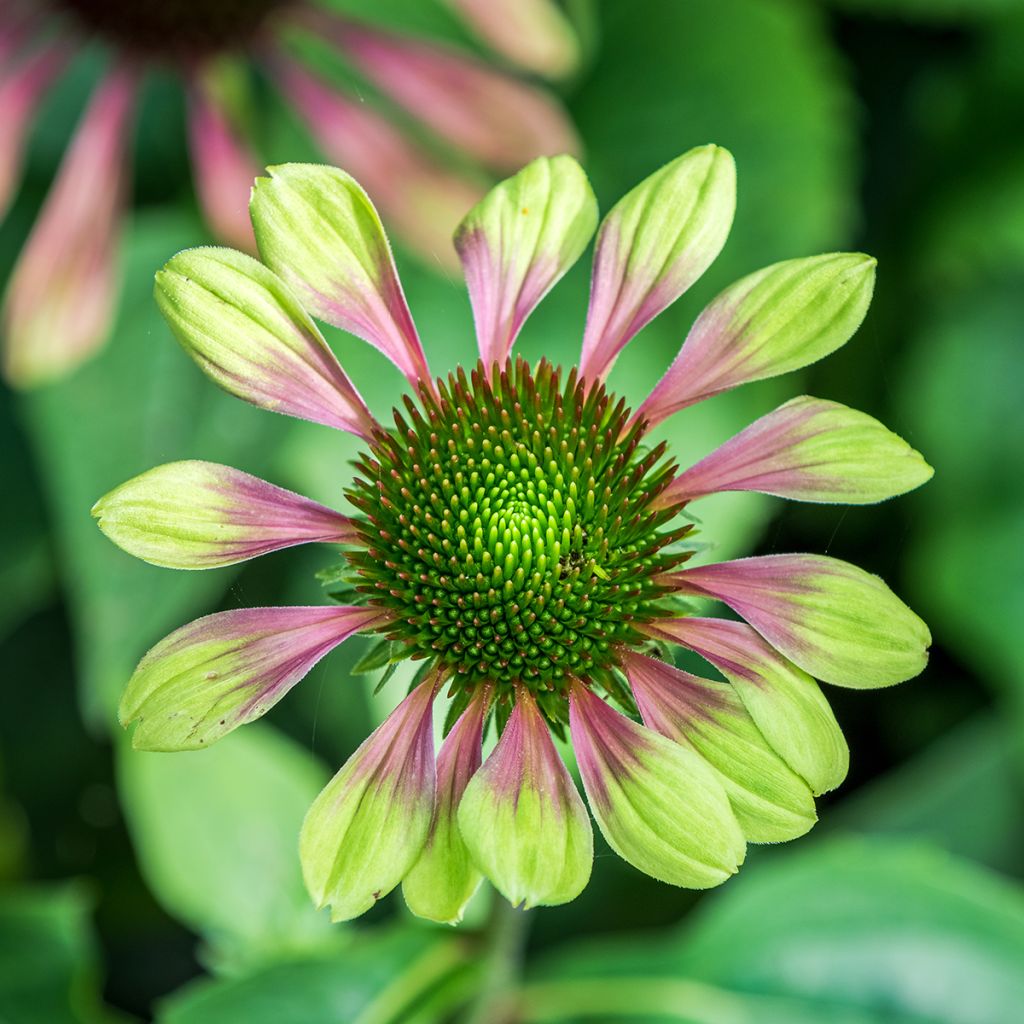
(504, 941)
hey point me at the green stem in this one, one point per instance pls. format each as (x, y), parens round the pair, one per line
(504, 941)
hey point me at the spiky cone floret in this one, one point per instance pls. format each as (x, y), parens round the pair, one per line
(515, 536)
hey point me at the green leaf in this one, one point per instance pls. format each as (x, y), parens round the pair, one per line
(216, 832)
(48, 963)
(856, 932)
(138, 404)
(379, 978)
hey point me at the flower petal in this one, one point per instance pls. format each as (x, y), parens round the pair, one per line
(367, 828)
(834, 620)
(223, 167)
(61, 298)
(199, 515)
(444, 878)
(654, 243)
(786, 704)
(522, 820)
(20, 92)
(491, 115)
(518, 242)
(659, 805)
(772, 802)
(808, 450)
(778, 319)
(535, 34)
(227, 669)
(318, 229)
(248, 333)
(422, 200)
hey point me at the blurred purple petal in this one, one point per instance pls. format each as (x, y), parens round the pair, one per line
(423, 200)
(21, 89)
(224, 169)
(60, 301)
(495, 117)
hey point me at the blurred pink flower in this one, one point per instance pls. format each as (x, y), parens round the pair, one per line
(62, 294)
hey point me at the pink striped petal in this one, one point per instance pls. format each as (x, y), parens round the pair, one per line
(772, 802)
(808, 450)
(317, 228)
(836, 621)
(421, 199)
(659, 805)
(61, 298)
(200, 515)
(786, 704)
(535, 34)
(367, 828)
(491, 115)
(444, 877)
(778, 319)
(523, 821)
(518, 242)
(20, 92)
(247, 332)
(654, 243)
(227, 669)
(223, 168)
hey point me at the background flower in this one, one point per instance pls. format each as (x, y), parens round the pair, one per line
(879, 125)
(62, 295)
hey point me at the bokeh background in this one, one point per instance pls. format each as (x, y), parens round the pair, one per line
(135, 886)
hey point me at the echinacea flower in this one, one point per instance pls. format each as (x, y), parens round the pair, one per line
(513, 533)
(62, 296)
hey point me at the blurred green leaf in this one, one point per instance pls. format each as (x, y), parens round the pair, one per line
(960, 396)
(392, 977)
(26, 558)
(850, 931)
(142, 402)
(216, 833)
(963, 794)
(48, 971)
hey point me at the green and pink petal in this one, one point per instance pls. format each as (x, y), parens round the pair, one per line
(444, 878)
(654, 243)
(518, 242)
(200, 515)
(772, 802)
(836, 621)
(521, 818)
(227, 669)
(248, 333)
(808, 450)
(317, 229)
(659, 805)
(367, 828)
(778, 319)
(786, 704)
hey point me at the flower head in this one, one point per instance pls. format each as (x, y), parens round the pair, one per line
(62, 297)
(513, 532)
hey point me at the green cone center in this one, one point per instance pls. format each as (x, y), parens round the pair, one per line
(510, 528)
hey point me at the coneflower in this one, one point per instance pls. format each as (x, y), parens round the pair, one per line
(513, 532)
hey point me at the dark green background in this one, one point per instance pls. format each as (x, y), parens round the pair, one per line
(892, 126)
